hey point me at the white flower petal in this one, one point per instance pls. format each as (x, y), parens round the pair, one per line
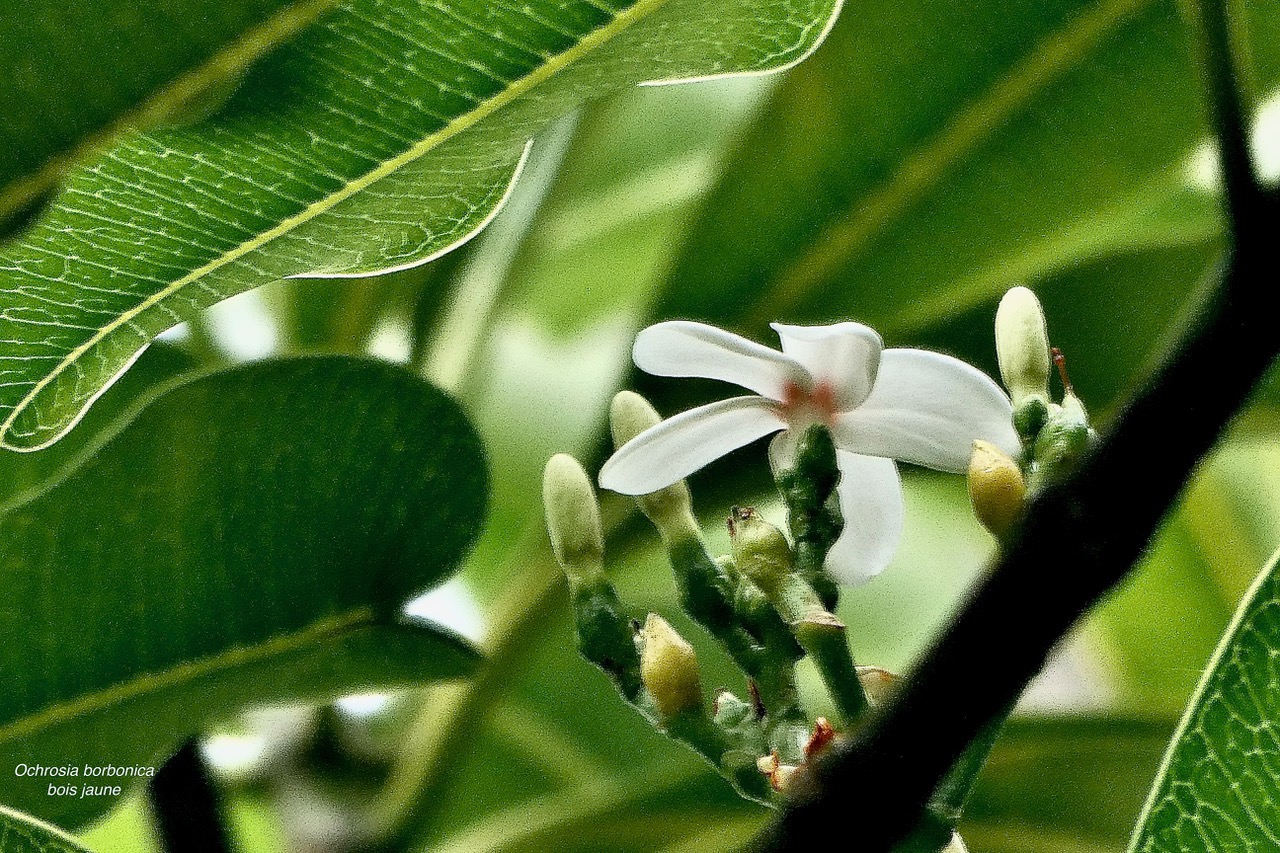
(782, 451)
(680, 445)
(683, 348)
(871, 503)
(928, 408)
(845, 356)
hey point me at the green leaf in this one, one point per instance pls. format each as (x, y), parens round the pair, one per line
(933, 153)
(20, 833)
(24, 474)
(1219, 784)
(1201, 563)
(249, 538)
(1064, 784)
(77, 73)
(412, 117)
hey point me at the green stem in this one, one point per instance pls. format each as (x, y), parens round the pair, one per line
(718, 746)
(812, 514)
(953, 792)
(822, 636)
(754, 636)
(825, 642)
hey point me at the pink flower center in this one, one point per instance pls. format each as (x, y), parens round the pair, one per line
(803, 406)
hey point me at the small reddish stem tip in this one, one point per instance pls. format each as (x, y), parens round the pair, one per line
(1060, 362)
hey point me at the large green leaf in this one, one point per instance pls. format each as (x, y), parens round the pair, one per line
(20, 833)
(376, 140)
(75, 73)
(933, 153)
(250, 537)
(1219, 785)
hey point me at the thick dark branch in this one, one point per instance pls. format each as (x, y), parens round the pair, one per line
(1079, 538)
(186, 805)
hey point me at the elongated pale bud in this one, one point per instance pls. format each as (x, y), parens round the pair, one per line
(669, 668)
(1022, 346)
(670, 509)
(996, 488)
(573, 517)
(956, 845)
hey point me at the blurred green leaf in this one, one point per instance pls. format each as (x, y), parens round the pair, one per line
(1199, 566)
(23, 474)
(410, 116)
(1219, 783)
(77, 73)
(1064, 784)
(932, 153)
(544, 337)
(249, 538)
(20, 833)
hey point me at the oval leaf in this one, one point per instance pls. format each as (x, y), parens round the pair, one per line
(251, 537)
(377, 140)
(1219, 785)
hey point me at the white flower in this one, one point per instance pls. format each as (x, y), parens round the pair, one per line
(880, 405)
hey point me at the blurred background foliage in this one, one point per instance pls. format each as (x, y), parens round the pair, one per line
(930, 155)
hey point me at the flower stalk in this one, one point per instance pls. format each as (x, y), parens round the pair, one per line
(814, 518)
(764, 557)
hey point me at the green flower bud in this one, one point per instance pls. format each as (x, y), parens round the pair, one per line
(1065, 438)
(996, 488)
(669, 668)
(670, 509)
(573, 517)
(1029, 417)
(760, 551)
(1022, 345)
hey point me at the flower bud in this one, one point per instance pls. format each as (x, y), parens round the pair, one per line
(779, 774)
(669, 668)
(996, 488)
(1065, 438)
(573, 517)
(760, 551)
(878, 683)
(1022, 345)
(670, 509)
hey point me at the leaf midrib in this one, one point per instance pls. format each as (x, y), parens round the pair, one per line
(925, 166)
(183, 673)
(554, 65)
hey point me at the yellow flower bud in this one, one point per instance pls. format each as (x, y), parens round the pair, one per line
(670, 509)
(996, 488)
(573, 517)
(669, 668)
(1022, 345)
